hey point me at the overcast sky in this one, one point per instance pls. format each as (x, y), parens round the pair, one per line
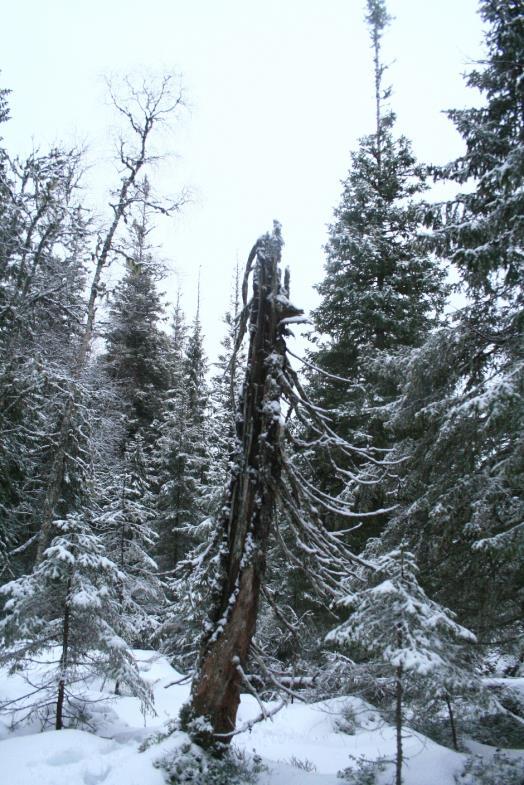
(279, 93)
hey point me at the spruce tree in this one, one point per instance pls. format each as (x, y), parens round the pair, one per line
(393, 620)
(166, 454)
(68, 608)
(192, 582)
(461, 414)
(139, 366)
(124, 522)
(382, 289)
(137, 349)
(43, 259)
(182, 451)
(225, 390)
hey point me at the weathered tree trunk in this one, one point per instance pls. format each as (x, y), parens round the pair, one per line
(246, 519)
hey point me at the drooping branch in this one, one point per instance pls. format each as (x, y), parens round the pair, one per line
(263, 477)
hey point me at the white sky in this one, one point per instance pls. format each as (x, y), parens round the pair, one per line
(280, 91)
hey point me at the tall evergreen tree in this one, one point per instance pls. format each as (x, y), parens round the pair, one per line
(224, 393)
(43, 257)
(124, 522)
(462, 412)
(139, 365)
(182, 457)
(382, 289)
(137, 353)
(192, 582)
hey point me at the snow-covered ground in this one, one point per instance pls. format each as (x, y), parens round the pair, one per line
(300, 737)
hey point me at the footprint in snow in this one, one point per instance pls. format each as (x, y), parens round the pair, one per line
(95, 777)
(64, 757)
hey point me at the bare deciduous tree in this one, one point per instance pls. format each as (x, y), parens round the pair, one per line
(143, 108)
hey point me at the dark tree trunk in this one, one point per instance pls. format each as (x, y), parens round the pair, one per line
(64, 659)
(452, 721)
(398, 724)
(246, 519)
(60, 705)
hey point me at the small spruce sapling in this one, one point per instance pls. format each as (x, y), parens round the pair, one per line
(68, 610)
(395, 620)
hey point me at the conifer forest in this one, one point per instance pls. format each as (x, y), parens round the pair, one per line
(300, 560)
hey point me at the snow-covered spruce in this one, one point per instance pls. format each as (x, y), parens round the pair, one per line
(194, 457)
(181, 457)
(382, 291)
(394, 621)
(461, 415)
(137, 357)
(68, 610)
(124, 522)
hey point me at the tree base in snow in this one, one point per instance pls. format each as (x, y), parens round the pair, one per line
(191, 764)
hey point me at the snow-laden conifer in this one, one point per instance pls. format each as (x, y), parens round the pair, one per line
(68, 612)
(125, 524)
(182, 452)
(382, 288)
(194, 580)
(137, 348)
(188, 492)
(394, 621)
(43, 258)
(225, 390)
(460, 417)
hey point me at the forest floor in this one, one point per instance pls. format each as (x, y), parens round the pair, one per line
(304, 744)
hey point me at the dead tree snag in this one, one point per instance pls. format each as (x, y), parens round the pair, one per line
(265, 474)
(247, 517)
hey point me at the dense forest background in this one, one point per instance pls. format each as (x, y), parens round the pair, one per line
(118, 435)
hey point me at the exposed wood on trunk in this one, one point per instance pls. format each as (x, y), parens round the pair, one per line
(247, 518)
